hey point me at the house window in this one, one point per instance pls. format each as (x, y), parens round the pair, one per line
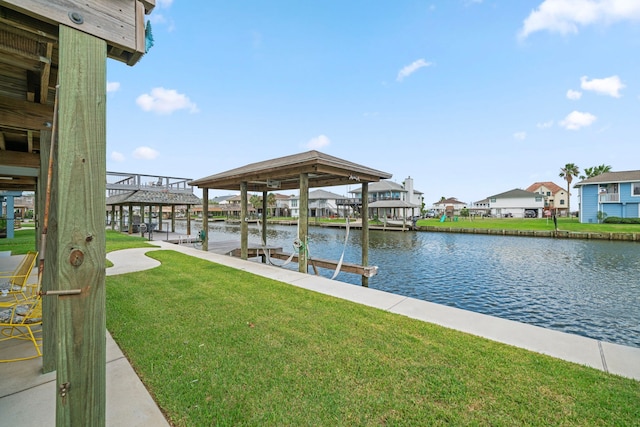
(493, 200)
(538, 199)
(635, 189)
(562, 201)
(548, 193)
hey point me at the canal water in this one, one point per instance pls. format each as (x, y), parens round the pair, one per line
(584, 287)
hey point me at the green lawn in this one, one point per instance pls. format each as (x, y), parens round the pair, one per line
(567, 224)
(219, 346)
(25, 240)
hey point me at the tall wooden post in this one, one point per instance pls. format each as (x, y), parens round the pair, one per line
(113, 217)
(173, 218)
(264, 218)
(303, 223)
(188, 221)
(365, 230)
(205, 218)
(130, 219)
(81, 379)
(159, 217)
(121, 219)
(244, 226)
(50, 273)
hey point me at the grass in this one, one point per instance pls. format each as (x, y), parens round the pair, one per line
(219, 346)
(25, 240)
(568, 224)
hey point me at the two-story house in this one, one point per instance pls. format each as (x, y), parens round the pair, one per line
(556, 198)
(392, 200)
(612, 193)
(322, 203)
(516, 203)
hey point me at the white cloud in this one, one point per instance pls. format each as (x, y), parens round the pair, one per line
(608, 86)
(165, 101)
(576, 120)
(145, 153)
(318, 142)
(574, 94)
(545, 125)
(113, 86)
(164, 3)
(117, 157)
(565, 16)
(412, 68)
(521, 136)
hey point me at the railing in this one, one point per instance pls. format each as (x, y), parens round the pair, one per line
(609, 197)
(118, 183)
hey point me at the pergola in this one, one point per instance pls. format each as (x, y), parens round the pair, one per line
(53, 141)
(299, 171)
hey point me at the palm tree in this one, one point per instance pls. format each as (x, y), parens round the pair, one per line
(595, 171)
(568, 172)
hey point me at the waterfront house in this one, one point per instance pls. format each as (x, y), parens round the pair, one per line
(515, 203)
(391, 199)
(322, 203)
(450, 206)
(556, 198)
(612, 193)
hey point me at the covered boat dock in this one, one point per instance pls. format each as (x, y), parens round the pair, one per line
(311, 169)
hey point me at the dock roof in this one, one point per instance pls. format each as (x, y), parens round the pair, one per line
(283, 173)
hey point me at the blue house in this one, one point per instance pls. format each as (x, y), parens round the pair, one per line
(613, 193)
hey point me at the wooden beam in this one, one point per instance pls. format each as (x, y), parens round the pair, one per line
(50, 272)
(113, 21)
(205, 219)
(24, 114)
(3, 145)
(44, 76)
(303, 223)
(244, 227)
(19, 159)
(362, 270)
(81, 168)
(365, 230)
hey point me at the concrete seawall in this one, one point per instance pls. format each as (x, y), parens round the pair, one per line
(560, 234)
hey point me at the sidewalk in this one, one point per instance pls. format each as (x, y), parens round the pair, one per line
(130, 404)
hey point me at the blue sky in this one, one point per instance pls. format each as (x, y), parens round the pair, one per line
(468, 97)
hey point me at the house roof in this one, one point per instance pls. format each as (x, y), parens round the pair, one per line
(612, 177)
(384, 185)
(514, 194)
(283, 173)
(449, 201)
(321, 195)
(555, 188)
(153, 198)
(392, 204)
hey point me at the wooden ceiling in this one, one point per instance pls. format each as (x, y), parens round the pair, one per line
(29, 69)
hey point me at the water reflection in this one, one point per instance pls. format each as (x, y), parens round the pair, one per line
(589, 288)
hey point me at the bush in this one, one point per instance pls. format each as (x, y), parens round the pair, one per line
(618, 220)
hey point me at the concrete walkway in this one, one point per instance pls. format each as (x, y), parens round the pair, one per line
(129, 403)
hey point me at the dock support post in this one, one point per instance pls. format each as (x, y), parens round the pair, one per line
(303, 223)
(50, 272)
(130, 219)
(81, 321)
(264, 218)
(244, 227)
(205, 219)
(365, 230)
